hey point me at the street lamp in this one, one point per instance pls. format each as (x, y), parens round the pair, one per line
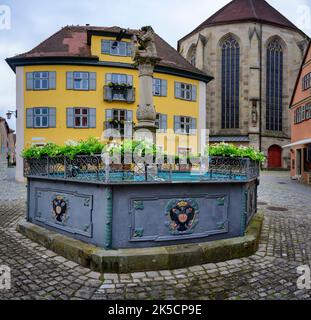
(10, 113)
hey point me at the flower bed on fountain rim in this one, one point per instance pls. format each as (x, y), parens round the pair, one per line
(93, 146)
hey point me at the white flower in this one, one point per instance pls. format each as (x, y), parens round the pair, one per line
(71, 143)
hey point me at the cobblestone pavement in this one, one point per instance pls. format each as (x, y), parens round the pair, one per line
(38, 273)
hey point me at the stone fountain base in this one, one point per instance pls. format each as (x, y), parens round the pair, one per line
(146, 259)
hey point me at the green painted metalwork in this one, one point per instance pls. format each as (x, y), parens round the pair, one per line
(244, 211)
(109, 216)
(139, 205)
(221, 202)
(139, 233)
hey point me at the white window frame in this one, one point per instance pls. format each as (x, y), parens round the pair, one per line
(185, 125)
(117, 50)
(81, 77)
(186, 89)
(157, 83)
(40, 77)
(81, 116)
(40, 116)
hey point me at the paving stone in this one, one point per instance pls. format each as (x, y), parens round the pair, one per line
(270, 274)
(93, 275)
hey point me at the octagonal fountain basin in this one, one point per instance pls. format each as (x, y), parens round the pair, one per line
(116, 209)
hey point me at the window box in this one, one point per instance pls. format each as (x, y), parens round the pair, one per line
(116, 92)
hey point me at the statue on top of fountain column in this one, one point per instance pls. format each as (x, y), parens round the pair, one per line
(144, 46)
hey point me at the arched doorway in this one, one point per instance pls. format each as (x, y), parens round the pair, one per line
(275, 157)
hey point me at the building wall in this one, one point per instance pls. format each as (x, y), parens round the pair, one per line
(208, 58)
(7, 145)
(302, 130)
(61, 98)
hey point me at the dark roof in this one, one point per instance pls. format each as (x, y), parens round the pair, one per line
(230, 139)
(299, 74)
(246, 11)
(74, 42)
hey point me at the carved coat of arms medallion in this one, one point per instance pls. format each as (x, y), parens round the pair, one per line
(60, 208)
(183, 215)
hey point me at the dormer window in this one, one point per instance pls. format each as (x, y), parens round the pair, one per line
(117, 48)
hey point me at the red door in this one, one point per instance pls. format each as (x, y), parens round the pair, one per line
(275, 157)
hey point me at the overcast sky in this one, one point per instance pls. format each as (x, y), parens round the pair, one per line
(32, 21)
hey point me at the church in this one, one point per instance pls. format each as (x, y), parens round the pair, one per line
(254, 54)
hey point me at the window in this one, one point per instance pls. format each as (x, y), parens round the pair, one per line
(159, 87)
(41, 117)
(161, 122)
(230, 84)
(117, 48)
(185, 125)
(119, 87)
(306, 81)
(81, 81)
(193, 59)
(191, 56)
(119, 120)
(42, 80)
(81, 117)
(185, 91)
(302, 113)
(274, 86)
(184, 152)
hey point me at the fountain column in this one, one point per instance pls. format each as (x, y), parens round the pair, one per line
(145, 57)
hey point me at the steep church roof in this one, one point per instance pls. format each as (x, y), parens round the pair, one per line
(238, 11)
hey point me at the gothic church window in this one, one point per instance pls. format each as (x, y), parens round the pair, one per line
(230, 83)
(274, 86)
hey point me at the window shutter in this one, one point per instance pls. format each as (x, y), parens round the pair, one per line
(70, 118)
(29, 118)
(163, 122)
(92, 118)
(52, 80)
(177, 124)
(92, 79)
(109, 116)
(194, 93)
(128, 127)
(130, 80)
(52, 117)
(130, 97)
(193, 129)
(129, 49)
(106, 46)
(108, 78)
(177, 90)
(163, 88)
(29, 80)
(108, 94)
(69, 80)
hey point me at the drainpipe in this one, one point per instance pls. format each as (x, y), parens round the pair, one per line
(260, 91)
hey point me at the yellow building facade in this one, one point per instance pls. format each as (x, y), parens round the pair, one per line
(82, 83)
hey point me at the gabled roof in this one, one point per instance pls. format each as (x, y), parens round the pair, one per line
(299, 74)
(74, 43)
(238, 11)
